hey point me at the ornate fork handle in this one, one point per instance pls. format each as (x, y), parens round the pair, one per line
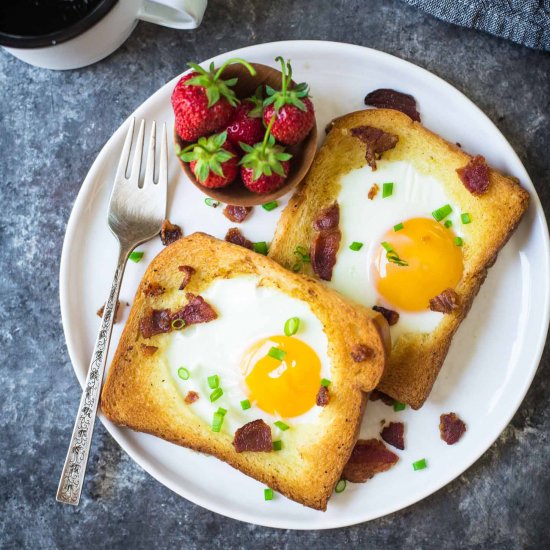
(74, 469)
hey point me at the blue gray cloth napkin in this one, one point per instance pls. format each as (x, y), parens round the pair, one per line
(526, 22)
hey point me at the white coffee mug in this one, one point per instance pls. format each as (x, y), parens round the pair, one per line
(65, 50)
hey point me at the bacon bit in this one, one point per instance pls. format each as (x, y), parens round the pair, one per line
(369, 457)
(376, 395)
(254, 436)
(170, 232)
(376, 140)
(391, 316)
(475, 175)
(196, 311)
(394, 435)
(101, 310)
(148, 350)
(327, 218)
(323, 397)
(187, 271)
(191, 397)
(236, 214)
(235, 236)
(360, 353)
(446, 302)
(153, 289)
(324, 248)
(156, 322)
(373, 191)
(385, 98)
(451, 428)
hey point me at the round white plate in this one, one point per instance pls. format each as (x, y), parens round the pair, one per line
(493, 357)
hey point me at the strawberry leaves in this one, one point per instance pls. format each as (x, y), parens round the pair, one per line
(264, 158)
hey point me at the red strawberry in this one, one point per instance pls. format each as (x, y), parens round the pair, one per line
(213, 160)
(204, 103)
(292, 109)
(247, 126)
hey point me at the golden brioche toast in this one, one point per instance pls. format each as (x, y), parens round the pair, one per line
(416, 357)
(141, 392)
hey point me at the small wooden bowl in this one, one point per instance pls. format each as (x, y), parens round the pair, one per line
(302, 153)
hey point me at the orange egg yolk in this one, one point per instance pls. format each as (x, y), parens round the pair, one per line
(434, 263)
(287, 386)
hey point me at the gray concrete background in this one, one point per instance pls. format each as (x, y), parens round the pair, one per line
(52, 126)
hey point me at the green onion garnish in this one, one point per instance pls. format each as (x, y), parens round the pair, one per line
(355, 246)
(420, 464)
(277, 445)
(465, 218)
(216, 394)
(325, 382)
(302, 252)
(291, 326)
(297, 267)
(392, 256)
(245, 404)
(386, 246)
(268, 494)
(276, 353)
(135, 256)
(221, 410)
(269, 206)
(281, 425)
(458, 241)
(398, 406)
(260, 247)
(183, 373)
(211, 202)
(178, 324)
(217, 421)
(398, 227)
(448, 223)
(213, 381)
(387, 190)
(442, 213)
(340, 486)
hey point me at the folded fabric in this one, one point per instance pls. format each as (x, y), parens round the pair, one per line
(526, 22)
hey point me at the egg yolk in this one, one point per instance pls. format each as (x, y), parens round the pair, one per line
(434, 263)
(287, 386)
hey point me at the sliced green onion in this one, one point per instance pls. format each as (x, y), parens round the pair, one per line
(442, 213)
(340, 486)
(386, 246)
(211, 202)
(302, 252)
(398, 406)
(183, 373)
(398, 227)
(448, 223)
(297, 267)
(465, 218)
(135, 256)
(355, 246)
(420, 464)
(387, 190)
(325, 382)
(245, 404)
(281, 425)
(459, 241)
(260, 247)
(217, 421)
(276, 353)
(269, 206)
(216, 394)
(178, 324)
(291, 326)
(277, 445)
(213, 381)
(221, 410)
(268, 494)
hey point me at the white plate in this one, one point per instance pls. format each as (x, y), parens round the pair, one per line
(493, 357)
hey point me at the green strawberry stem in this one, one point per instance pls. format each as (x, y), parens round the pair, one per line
(250, 68)
(268, 133)
(285, 79)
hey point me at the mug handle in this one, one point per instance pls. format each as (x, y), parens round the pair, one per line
(176, 14)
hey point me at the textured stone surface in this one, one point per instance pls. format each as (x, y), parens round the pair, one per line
(53, 124)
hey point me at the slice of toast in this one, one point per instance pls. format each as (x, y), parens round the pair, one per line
(140, 390)
(416, 358)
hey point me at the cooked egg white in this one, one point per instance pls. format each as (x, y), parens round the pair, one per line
(236, 347)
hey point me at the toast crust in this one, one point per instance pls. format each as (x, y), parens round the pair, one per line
(140, 394)
(416, 358)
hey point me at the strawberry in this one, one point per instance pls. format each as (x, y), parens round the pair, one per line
(292, 109)
(204, 103)
(247, 126)
(213, 160)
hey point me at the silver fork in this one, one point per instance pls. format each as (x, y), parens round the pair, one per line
(135, 216)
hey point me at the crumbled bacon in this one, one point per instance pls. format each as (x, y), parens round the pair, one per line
(360, 353)
(376, 395)
(369, 457)
(187, 271)
(376, 140)
(101, 310)
(323, 397)
(254, 436)
(385, 98)
(153, 289)
(327, 218)
(324, 248)
(195, 311)
(148, 350)
(451, 428)
(373, 191)
(393, 434)
(237, 214)
(235, 236)
(170, 232)
(191, 397)
(156, 322)
(391, 316)
(475, 175)
(446, 302)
